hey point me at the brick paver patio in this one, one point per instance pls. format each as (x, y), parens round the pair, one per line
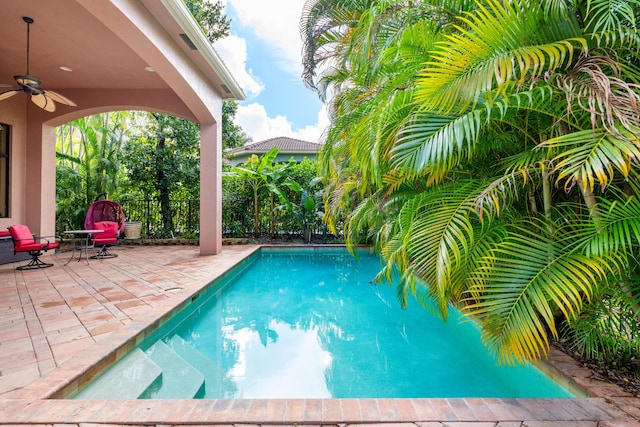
(60, 325)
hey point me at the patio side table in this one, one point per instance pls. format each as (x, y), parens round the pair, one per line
(79, 236)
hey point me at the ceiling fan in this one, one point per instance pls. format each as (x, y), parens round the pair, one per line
(44, 99)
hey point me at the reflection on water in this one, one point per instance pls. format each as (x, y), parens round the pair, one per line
(310, 325)
(292, 364)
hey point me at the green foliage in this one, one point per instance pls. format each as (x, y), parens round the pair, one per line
(260, 173)
(607, 328)
(163, 160)
(308, 213)
(164, 155)
(211, 18)
(305, 174)
(237, 200)
(71, 208)
(237, 197)
(480, 145)
(88, 164)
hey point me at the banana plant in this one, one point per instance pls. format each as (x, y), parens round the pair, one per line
(261, 173)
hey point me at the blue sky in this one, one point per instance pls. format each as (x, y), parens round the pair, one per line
(263, 54)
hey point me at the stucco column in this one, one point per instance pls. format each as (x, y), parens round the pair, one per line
(40, 178)
(210, 190)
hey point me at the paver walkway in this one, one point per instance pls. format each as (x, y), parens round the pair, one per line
(58, 326)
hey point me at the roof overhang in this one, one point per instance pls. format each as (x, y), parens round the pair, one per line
(199, 49)
(110, 44)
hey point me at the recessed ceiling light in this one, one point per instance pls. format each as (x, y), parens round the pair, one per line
(149, 69)
(66, 69)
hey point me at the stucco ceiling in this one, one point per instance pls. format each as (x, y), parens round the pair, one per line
(64, 34)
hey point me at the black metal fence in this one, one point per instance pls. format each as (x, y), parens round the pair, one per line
(237, 220)
(185, 218)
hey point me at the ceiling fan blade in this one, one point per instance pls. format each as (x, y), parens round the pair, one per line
(9, 94)
(7, 85)
(44, 102)
(60, 98)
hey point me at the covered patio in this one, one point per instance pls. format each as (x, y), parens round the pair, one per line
(105, 56)
(61, 325)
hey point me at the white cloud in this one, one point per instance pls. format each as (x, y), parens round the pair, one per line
(254, 120)
(275, 22)
(314, 132)
(233, 51)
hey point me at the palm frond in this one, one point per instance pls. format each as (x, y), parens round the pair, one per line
(616, 229)
(596, 85)
(607, 329)
(434, 233)
(522, 282)
(435, 142)
(593, 156)
(503, 43)
(612, 17)
(497, 196)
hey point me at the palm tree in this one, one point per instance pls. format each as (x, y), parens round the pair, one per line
(483, 76)
(88, 164)
(540, 92)
(91, 146)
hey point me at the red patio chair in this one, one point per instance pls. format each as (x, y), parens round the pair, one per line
(24, 241)
(106, 239)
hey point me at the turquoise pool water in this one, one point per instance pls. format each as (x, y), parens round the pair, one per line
(309, 324)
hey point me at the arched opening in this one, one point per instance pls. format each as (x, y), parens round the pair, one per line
(146, 161)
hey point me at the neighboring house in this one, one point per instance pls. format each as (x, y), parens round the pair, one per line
(106, 55)
(287, 148)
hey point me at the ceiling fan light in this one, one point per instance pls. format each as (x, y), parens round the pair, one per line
(28, 81)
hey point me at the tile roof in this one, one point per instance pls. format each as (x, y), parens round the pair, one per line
(284, 144)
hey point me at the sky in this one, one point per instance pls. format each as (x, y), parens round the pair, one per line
(263, 53)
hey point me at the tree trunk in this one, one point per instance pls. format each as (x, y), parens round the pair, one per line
(589, 200)
(547, 201)
(255, 213)
(273, 219)
(532, 201)
(163, 188)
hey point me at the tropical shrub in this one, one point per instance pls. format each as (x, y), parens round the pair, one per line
(88, 165)
(489, 150)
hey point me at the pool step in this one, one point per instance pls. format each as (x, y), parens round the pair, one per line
(128, 379)
(213, 374)
(180, 380)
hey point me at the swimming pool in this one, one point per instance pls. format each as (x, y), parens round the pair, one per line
(308, 324)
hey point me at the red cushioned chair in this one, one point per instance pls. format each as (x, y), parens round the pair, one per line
(106, 239)
(24, 241)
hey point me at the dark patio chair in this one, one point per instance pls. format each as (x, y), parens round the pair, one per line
(106, 239)
(25, 241)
